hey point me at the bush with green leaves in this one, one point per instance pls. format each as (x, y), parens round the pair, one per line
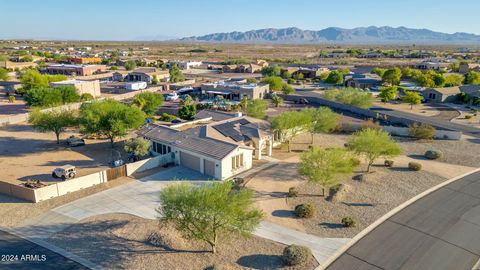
(421, 131)
(11, 99)
(274, 82)
(292, 192)
(296, 255)
(148, 102)
(351, 96)
(388, 163)
(433, 154)
(137, 146)
(50, 97)
(256, 108)
(86, 97)
(305, 210)
(167, 117)
(349, 222)
(415, 166)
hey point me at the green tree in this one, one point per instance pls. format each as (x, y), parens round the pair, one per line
(412, 98)
(298, 76)
(176, 74)
(209, 212)
(277, 100)
(43, 97)
(326, 166)
(110, 118)
(271, 71)
(251, 80)
(286, 75)
(275, 83)
(287, 89)
(378, 71)
(148, 102)
(187, 112)
(392, 76)
(256, 108)
(52, 121)
(335, 77)
(3, 74)
(289, 124)
(472, 77)
(388, 93)
(130, 65)
(373, 143)
(68, 93)
(33, 79)
(453, 80)
(407, 72)
(351, 96)
(137, 146)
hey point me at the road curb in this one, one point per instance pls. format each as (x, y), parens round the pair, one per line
(382, 219)
(55, 249)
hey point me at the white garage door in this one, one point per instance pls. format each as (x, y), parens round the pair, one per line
(190, 161)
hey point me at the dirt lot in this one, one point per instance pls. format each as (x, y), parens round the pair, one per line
(119, 241)
(365, 200)
(8, 109)
(27, 154)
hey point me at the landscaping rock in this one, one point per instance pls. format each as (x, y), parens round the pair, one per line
(339, 193)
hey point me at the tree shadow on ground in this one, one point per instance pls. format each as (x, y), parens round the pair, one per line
(283, 213)
(42, 177)
(418, 157)
(400, 169)
(331, 225)
(261, 262)
(359, 204)
(472, 140)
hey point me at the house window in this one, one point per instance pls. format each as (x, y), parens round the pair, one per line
(237, 162)
(161, 148)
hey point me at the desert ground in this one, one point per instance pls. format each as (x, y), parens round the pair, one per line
(28, 154)
(367, 200)
(121, 241)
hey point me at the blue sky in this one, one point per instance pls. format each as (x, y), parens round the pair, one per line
(134, 19)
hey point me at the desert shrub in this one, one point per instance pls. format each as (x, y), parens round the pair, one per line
(421, 131)
(433, 154)
(349, 222)
(388, 163)
(305, 210)
(468, 116)
(292, 192)
(415, 166)
(296, 255)
(167, 117)
(355, 162)
(86, 97)
(11, 99)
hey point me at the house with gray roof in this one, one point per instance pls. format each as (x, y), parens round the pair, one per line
(218, 149)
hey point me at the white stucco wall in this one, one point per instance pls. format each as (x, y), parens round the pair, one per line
(226, 166)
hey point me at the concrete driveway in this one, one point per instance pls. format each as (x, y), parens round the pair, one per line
(139, 198)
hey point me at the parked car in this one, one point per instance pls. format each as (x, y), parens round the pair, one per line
(172, 96)
(302, 101)
(65, 172)
(75, 141)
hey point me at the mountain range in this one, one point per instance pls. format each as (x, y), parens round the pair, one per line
(359, 35)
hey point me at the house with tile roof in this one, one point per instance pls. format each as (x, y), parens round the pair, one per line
(219, 149)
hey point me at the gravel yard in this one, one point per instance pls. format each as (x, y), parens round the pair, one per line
(119, 241)
(15, 211)
(464, 152)
(366, 201)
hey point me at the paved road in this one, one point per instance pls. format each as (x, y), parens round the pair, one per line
(14, 247)
(440, 232)
(435, 121)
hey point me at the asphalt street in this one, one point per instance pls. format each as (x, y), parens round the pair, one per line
(19, 254)
(441, 231)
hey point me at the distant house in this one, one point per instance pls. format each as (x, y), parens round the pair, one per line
(446, 94)
(76, 70)
(83, 87)
(363, 81)
(428, 65)
(467, 67)
(235, 90)
(144, 75)
(220, 150)
(308, 73)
